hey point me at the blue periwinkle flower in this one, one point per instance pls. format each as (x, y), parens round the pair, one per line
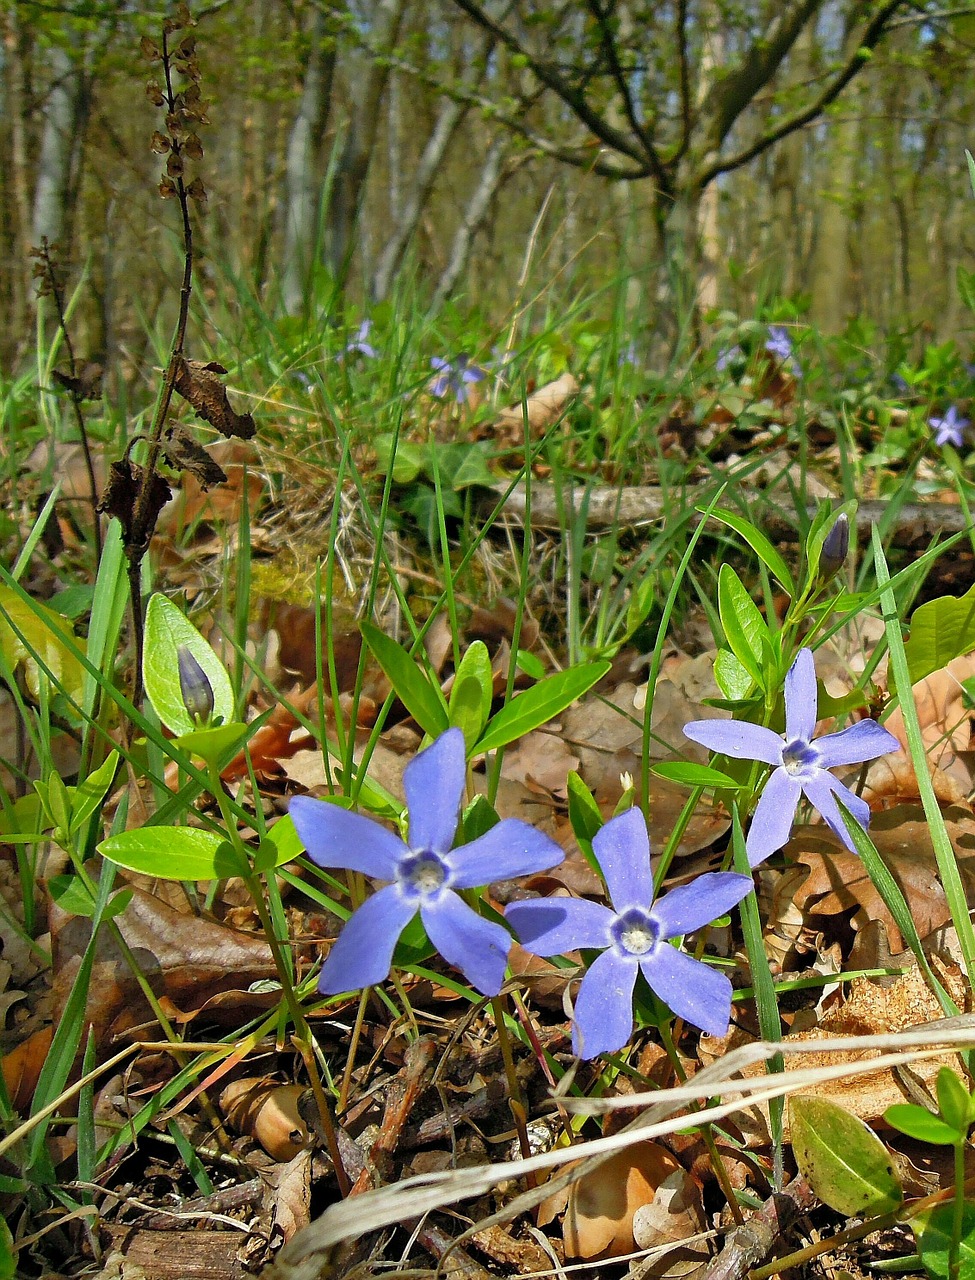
(730, 358)
(455, 375)
(800, 765)
(360, 344)
(194, 685)
(779, 345)
(950, 429)
(424, 874)
(633, 936)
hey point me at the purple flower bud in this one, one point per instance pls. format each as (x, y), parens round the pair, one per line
(836, 548)
(194, 685)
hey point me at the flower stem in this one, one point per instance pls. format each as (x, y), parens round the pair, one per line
(302, 1038)
(515, 1099)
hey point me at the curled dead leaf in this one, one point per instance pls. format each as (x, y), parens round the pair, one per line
(198, 381)
(263, 1109)
(601, 1205)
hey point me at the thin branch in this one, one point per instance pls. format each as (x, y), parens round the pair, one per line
(684, 81)
(854, 64)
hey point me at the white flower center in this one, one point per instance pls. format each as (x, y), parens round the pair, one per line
(635, 932)
(423, 873)
(798, 756)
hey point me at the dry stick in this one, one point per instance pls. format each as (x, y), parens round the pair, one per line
(752, 1242)
(143, 517)
(73, 391)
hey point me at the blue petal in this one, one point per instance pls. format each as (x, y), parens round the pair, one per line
(553, 926)
(864, 740)
(773, 817)
(801, 698)
(622, 848)
(690, 906)
(604, 1006)
(336, 837)
(477, 947)
(363, 953)
(820, 791)
(692, 989)
(738, 739)
(511, 848)
(434, 784)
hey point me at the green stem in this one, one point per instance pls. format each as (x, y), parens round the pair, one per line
(302, 1038)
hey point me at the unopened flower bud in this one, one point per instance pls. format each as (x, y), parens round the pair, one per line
(194, 685)
(836, 548)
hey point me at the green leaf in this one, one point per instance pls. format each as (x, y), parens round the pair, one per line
(281, 844)
(641, 602)
(585, 817)
(694, 775)
(744, 627)
(8, 1258)
(758, 543)
(214, 745)
(31, 635)
(823, 521)
(407, 462)
(933, 1231)
(471, 693)
(843, 1160)
(173, 853)
(954, 1101)
(87, 796)
(971, 170)
(166, 629)
(540, 703)
(731, 677)
(919, 1122)
(478, 818)
(417, 692)
(941, 630)
(463, 465)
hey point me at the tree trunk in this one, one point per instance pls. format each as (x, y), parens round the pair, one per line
(303, 167)
(353, 164)
(65, 117)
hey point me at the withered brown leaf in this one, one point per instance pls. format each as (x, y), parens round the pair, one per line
(86, 383)
(183, 453)
(199, 382)
(122, 489)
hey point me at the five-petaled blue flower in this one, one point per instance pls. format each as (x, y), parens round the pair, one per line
(729, 357)
(360, 344)
(632, 936)
(801, 765)
(779, 345)
(950, 429)
(425, 874)
(455, 375)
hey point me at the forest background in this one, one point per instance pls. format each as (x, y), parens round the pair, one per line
(811, 150)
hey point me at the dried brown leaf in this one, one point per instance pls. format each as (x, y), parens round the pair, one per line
(183, 453)
(199, 382)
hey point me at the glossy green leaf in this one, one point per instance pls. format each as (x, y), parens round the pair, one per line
(640, 603)
(731, 677)
(417, 692)
(694, 775)
(540, 703)
(843, 1160)
(759, 543)
(941, 630)
(167, 628)
(216, 744)
(173, 853)
(8, 1258)
(33, 637)
(954, 1101)
(281, 844)
(471, 693)
(407, 461)
(87, 796)
(477, 819)
(744, 627)
(919, 1122)
(933, 1231)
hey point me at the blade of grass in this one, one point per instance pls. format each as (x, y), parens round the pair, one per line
(947, 863)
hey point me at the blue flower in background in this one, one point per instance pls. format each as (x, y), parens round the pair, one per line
(360, 344)
(455, 375)
(633, 936)
(779, 345)
(801, 765)
(729, 356)
(950, 429)
(424, 874)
